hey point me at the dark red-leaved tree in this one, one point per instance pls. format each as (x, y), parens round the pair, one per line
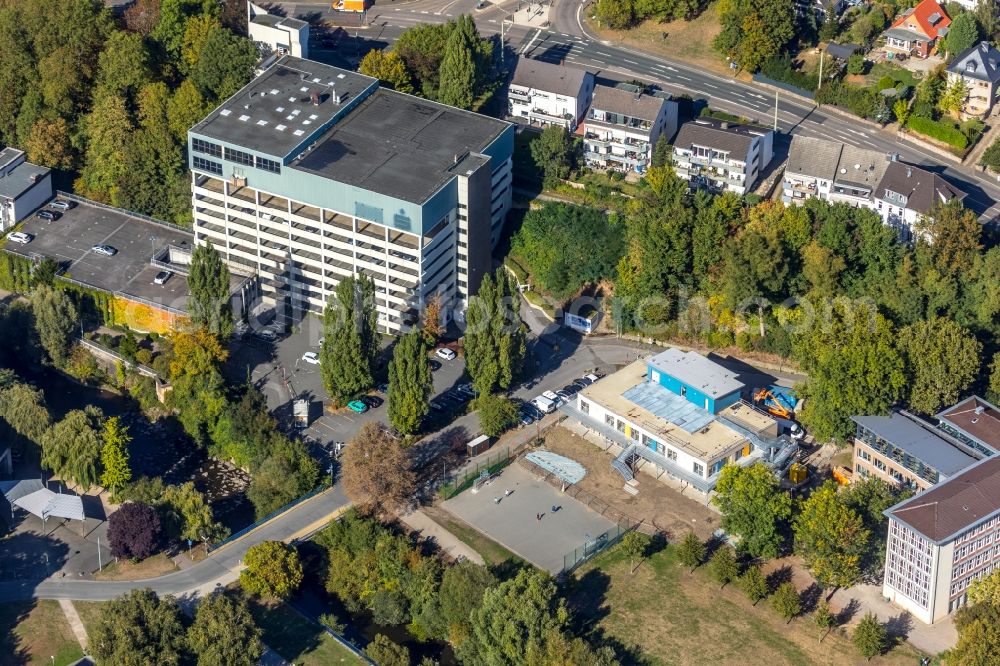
(134, 531)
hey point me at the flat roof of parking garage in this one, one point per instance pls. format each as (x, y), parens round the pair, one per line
(68, 240)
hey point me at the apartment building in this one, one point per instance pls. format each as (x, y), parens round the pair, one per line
(311, 174)
(942, 539)
(722, 156)
(679, 415)
(282, 35)
(978, 67)
(975, 422)
(546, 94)
(906, 193)
(623, 125)
(24, 187)
(831, 171)
(901, 449)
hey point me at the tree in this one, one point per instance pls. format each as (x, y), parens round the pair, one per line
(856, 64)
(616, 14)
(195, 373)
(189, 515)
(870, 498)
(495, 336)
(786, 601)
(350, 340)
(662, 155)
(272, 570)
(114, 455)
(754, 30)
(691, 551)
(386, 653)
(993, 392)
(410, 383)
(49, 144)
(72, 447)
(870, 637)
(141, 16)
(123, 66)
(948, 239)
(901, 109)
(831, 537)
(208, 281)
(139, 628)
(824, 619)
(461, 592)
(754, 584)
(376, 470)
(134, 531)
(754, 507)
(108, 130)
(634, 544)
(831, 23)
(553, 152)
(854, 367)
(962, 33)
(723, 565)
(943, 361)
(978, 643)
(432, 328)
(954, 97)
(496, 414)
(23, 408)
(224, 633)
(285, 472)
(185, 108)
(514, 616)
(225, 63)
(458, 73)
(56, 321)
(388, 67)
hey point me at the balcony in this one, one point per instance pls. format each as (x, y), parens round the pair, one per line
(632, 124)
(520, 95)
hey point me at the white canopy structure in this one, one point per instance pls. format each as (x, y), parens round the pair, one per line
(32, 496)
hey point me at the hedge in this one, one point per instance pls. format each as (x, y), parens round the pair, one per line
(934, 129)
(783, 69)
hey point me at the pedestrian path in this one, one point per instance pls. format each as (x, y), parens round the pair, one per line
(75, 623)
(420, 522)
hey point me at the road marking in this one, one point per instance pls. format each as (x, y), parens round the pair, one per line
(709, 85)
(631, 62)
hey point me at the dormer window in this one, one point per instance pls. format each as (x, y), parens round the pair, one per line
(934, 18)
(970, 66)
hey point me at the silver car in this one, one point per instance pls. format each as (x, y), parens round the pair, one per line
(106, 250)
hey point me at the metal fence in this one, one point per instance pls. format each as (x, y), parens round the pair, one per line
(101, 349)
(466, 477)
(249, 528)
(594, 545)
(129, 213)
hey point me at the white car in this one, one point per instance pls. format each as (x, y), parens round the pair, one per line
(20, 237)
(106, 250)
(551, 395)
(311, 357)
(445, 353)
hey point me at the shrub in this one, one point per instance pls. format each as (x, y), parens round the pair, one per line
(885, 82)
(783, 69)
(937, 130)
(856, 64)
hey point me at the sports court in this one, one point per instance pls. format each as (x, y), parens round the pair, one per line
(513, 521)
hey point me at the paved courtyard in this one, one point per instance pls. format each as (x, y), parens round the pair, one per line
(514, 524)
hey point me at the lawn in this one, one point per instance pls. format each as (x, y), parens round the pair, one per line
(89, 612)
(893, 71)
(688, 41)
(297, 639)
(677, 617)
(35, 633)
(151, 567)
(492, 552)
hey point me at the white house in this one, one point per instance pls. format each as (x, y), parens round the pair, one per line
(906, 193)
(24, 187)
(282, 34)
(978, 67)
(832, 171)
(623, 126)
(547, 94)
(722, 156)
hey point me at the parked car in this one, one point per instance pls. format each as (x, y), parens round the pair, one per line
(373, 401)
(532, 411)
(382, 388)
(266, 334)
(47, 215)
(437, 406)
(106, 250)
(525, 418)
(461, 396)
(162, 277)
(571, 389)
(543, 404)
(311, 358)
(62, 204)
(20, 237)
(435, 365)
(564, 396)
(357, 406)
(445, 353)
(551, 395)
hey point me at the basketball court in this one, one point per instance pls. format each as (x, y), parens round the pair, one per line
(515, 510)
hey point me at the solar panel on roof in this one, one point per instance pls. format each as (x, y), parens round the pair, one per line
(669, 406)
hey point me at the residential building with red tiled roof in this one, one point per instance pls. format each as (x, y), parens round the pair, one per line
(917, 30)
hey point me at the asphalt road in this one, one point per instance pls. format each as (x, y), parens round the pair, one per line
(566, 40)
(220, 566)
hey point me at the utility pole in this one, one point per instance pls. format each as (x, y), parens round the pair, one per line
(819, 83)
(775, 110)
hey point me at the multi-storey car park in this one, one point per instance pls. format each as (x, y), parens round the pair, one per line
(311, 174)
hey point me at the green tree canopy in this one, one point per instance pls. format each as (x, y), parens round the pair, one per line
(495, 335)
(350, 340)
(189, 516)
(388, 67)
(272, 570)
(942, 361)
(139, 628)
(386, 653)
(208, 281)
(870, 637)
(56, 320)
(224, 633)
(461, 592)
(554, 153)
(72, 447)
(753, 582)
(115, 455)
(962, 33)
(978, 636)
(723, 565)
(754, 30)
(786, 601)
(754, 508)
(497, 413)
(410, 382)
(830, 537)
(691, 551)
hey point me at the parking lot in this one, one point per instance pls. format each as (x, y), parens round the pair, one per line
(523, 520)
(69, 239)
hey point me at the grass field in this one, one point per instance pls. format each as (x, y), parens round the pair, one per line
(297, 639)
(151, 567)
(677, 617)
(688, 41)
(36, 633)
